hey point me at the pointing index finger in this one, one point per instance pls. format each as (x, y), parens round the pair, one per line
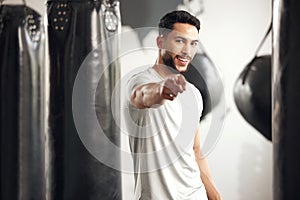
(181, 81)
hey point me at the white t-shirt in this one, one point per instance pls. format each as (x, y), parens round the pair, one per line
(161, 140)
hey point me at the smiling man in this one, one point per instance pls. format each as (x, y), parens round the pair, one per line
(165, 110)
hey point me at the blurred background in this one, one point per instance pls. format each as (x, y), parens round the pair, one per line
(231, 30)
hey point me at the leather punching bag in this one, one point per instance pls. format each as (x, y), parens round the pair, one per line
(252, 92)
(75, 28)
(204, 75)
(21, 104)
(285, 99)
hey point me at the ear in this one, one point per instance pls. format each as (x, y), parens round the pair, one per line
(159, 41)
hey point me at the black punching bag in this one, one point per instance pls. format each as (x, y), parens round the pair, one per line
(21, 104)
(204, 75)
(252, 94)
(286, 99)
(75, 28)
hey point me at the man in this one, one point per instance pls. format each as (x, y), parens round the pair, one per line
(165, 112)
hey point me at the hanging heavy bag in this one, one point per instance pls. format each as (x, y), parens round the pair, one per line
(285, 100)
(21, 103)
(75, 28)
(252, 92)
(204, 75)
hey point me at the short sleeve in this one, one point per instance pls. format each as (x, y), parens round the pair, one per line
(135, 81)
(138, 116)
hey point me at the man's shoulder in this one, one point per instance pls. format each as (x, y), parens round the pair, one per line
(139, 78)
(143, 76)
(144, 72)
(195, 90)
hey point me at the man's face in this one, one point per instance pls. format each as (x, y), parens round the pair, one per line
(179, 46)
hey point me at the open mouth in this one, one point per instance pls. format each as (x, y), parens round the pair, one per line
(182, 60)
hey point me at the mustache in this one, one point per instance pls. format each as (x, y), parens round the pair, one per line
(168, 60)
(184, 56)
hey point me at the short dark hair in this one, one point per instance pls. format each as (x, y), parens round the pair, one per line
(178, 16)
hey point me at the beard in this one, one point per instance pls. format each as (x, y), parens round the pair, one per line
(169, 62)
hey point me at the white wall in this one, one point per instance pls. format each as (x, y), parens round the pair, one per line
(241, 162)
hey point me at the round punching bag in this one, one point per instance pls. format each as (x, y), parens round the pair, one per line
(204, 75)
(75, 28)
(252, 94)
(21, 104)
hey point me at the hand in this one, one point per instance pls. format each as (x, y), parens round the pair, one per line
(172, 85)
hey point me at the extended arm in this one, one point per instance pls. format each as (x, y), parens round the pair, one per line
(211, 190)
(153, 94)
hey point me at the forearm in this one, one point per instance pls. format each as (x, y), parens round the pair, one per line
(207, 180)
(146, 96)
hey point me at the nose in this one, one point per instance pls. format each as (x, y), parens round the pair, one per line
(186, 49)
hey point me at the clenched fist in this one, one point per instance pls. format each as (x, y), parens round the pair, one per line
(172, 85)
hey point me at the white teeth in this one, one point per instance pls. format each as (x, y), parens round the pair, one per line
(183, 59)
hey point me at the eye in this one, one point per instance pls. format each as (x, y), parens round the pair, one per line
(179, 41)
(195, 43)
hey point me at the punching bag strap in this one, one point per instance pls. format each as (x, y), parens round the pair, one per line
(264, 39)
(256, 52)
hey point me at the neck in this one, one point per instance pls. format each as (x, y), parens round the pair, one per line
(163, 70)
